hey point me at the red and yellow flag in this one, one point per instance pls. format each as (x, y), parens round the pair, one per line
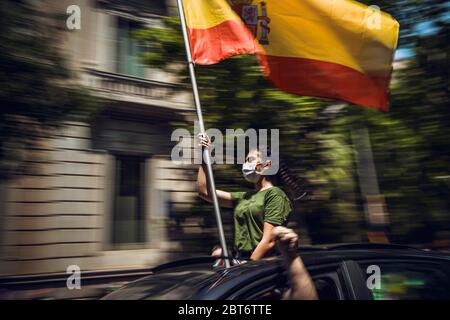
(337, 49)
(216, 32)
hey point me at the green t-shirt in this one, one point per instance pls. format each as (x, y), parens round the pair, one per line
(252, 209)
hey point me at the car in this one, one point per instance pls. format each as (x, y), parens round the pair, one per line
(339, 271)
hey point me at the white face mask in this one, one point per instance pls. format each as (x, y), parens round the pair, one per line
(249, 172)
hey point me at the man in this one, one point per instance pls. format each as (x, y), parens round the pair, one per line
(302, 286)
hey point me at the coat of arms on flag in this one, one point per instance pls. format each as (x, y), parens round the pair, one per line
(251, 14)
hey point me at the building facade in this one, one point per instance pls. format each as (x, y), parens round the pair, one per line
(100, 195)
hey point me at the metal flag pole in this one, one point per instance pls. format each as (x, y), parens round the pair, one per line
(206, 154)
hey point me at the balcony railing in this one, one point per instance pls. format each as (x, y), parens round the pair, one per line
(136, 90)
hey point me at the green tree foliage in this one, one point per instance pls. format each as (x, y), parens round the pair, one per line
(410, 143)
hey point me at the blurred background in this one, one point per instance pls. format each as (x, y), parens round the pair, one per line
(86, 117)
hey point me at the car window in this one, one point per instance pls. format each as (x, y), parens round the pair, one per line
(325, 286)
(270, 294)
(268, 288)
(410, 281)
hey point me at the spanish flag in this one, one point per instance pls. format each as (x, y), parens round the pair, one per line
(216, 32)
(336, 49)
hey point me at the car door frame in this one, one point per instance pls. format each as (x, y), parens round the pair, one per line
(355, 281)
(265, 282)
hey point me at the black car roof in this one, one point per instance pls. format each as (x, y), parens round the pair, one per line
(313, 256)
(320, 253)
